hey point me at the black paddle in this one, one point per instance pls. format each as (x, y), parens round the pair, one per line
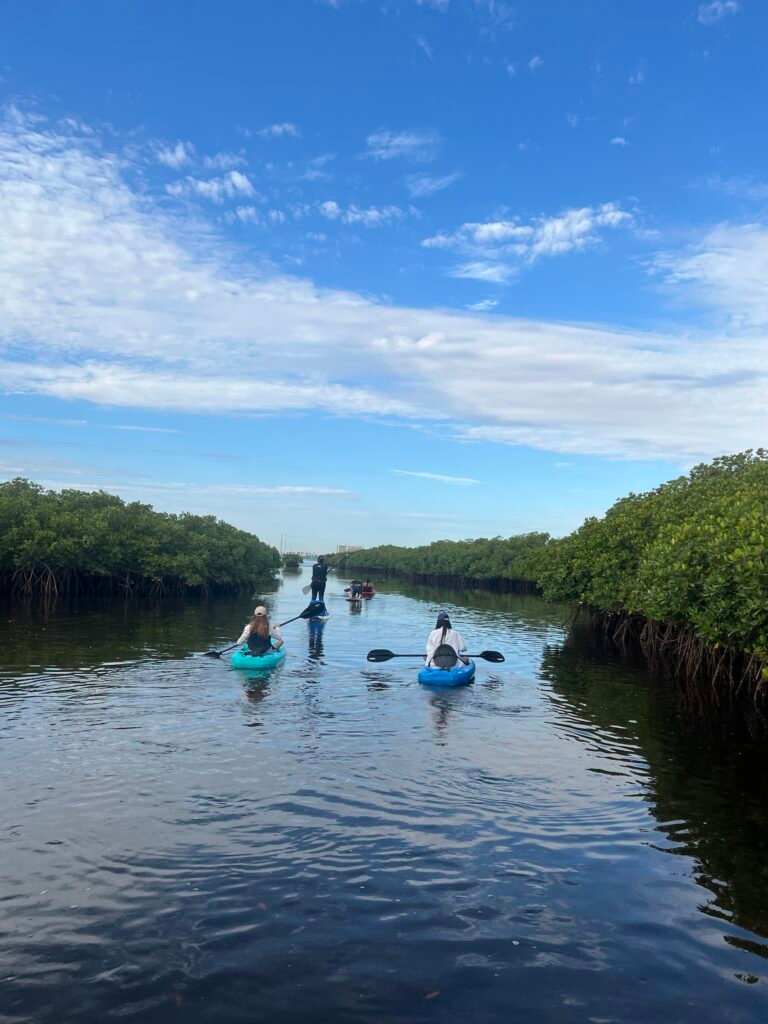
(308, 612)
(380, 654)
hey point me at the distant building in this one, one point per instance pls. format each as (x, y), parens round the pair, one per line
(347, 549)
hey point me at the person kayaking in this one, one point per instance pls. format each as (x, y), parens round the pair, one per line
(356, 589)
(367, 589)
(319, 578)
(259, 635)
(443, 633)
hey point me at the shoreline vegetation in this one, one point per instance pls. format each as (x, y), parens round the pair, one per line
(680, 571)
(70, 543)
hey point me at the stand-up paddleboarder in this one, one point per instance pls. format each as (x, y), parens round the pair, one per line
(319, 578)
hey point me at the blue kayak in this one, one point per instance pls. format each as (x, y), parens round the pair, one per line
(320, 611)
(459, 675)
(242, 658)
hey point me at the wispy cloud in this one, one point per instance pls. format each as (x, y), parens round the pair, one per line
(438, 5)
(372, 217)
(619, 140)
(478, 270)
(112, 299)
(422, 185)
(710, 13)
(484, 306)
(85, 423)
(408, 145)
(459, 481)
(727, 269)
(740, 188)
(283, 129)
(496, 14)
(223, 161)
(176, 156)
(573, 120)
(500, 247)
(424, 46)
(229, 186)
(638, 75)
(535, 63)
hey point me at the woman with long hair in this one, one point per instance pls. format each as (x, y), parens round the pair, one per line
(259, 635)
(443, 633)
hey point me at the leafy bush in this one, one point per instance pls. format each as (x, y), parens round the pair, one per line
(98, 534)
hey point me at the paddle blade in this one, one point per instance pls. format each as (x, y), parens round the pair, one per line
(495, 656)
(380, 654)
(212, 654)
(306, 590)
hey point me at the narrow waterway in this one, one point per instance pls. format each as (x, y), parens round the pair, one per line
(335, 842)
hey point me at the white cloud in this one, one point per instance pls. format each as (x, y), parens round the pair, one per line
(499, 248)
(619, 140)
(223, 161)
(417, 146)
(535, 63)
(484, 306)
(740, 188)
(477, 270)
(229, 186)
(372, 217)
(726, 269)
(573, 120)
(637, 77)
(710, 13)
(176, 156)
(496, 14)
(423, 45)
(438, 5)
(106, 297)
(285, 128)
(459, 481)
(422, 185)
(245, 214)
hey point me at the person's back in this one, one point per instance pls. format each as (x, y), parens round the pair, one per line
(319, 578)
(442, 634)
(355, 588)
(260, 636)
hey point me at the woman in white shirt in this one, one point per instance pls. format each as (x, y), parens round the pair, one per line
(444, 634)
(260, 636)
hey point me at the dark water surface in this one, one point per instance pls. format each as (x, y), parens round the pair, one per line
(337, 843)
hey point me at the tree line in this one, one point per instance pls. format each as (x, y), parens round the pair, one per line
(70, 541)
(682, 568)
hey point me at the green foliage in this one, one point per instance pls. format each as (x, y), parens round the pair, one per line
(291, 560)
(692, 552)
(98, 534)
(483, 559)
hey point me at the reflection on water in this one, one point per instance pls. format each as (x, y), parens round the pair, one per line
(332, 841)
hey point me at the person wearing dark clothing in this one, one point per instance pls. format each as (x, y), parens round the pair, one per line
(356, 589)
(319, 579)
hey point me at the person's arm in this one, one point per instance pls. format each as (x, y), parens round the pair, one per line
(277, 637)
(461, 646)
(245, 634)
(431, 648)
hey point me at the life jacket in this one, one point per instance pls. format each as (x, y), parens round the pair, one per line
(258, 645)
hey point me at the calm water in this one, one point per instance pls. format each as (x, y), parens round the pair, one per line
(337, 843)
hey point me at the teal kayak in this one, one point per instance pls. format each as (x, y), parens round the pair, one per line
(242, 658)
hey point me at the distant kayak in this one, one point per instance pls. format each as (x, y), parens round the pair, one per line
(459, 675)
(369, 593)
(242, 658)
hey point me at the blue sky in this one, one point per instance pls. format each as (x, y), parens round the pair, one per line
(364, 271)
